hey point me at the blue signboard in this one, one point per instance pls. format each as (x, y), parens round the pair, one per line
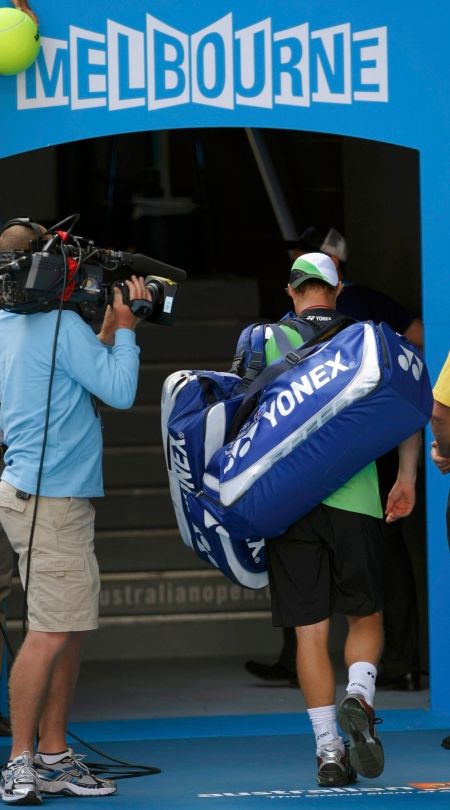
(376, 71)
(134, 70)
(109, 68)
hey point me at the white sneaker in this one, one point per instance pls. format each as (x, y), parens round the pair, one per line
(71, 776)
(19, 783)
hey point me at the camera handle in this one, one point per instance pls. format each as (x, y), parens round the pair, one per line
(140, 307)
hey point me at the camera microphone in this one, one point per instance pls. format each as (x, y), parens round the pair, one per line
(144, 266)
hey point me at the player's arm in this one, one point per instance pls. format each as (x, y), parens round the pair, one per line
(402, 497)
(414, 333)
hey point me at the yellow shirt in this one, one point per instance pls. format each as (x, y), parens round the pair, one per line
(441, 390)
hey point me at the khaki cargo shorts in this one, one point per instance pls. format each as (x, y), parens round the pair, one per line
(64, 584)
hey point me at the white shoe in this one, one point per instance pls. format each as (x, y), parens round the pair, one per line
(71, 776)
(19, 783)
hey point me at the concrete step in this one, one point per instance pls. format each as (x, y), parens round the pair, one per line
(135, 508)
(248, 633)
(142, 423)
(134, 466)
(161, 593)
(145, 549)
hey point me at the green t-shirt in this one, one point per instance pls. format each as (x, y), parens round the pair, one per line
(359, 494)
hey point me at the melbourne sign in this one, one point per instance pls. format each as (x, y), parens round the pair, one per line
(156, 66)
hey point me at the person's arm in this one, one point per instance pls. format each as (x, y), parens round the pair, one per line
(414, 333)
(440, 426)
(363, 303)
(23, 6)
(110, 374)
(440, 420)
(402, 497)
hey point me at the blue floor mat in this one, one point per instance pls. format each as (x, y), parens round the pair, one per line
(252, 762)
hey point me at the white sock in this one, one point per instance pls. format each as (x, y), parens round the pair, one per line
(361, 679)
(324, 723)
(51, 759)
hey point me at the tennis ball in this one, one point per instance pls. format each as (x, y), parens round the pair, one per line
(19, 41)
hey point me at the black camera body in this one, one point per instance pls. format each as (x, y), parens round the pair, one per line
(71, 272)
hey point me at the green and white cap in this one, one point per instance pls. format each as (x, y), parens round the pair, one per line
(313, 267)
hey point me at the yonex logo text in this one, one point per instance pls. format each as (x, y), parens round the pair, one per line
(180, 462)
(306, 385)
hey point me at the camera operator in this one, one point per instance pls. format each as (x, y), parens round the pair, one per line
(62, 574)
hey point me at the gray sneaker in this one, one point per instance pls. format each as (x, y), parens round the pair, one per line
(358, 720)
(334, 768)
(19, 783)
(71, 776)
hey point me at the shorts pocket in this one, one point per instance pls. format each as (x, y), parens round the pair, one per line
(9, 500)
(59, 565)
(58, 582)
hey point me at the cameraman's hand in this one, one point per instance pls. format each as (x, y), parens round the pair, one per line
(120, 316)
(124, 316)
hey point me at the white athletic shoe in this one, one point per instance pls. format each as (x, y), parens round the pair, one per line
(19, 783)
(71, 776)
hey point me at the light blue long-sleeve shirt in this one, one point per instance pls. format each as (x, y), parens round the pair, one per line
(84, 367)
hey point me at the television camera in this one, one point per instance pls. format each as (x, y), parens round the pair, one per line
(61, 270)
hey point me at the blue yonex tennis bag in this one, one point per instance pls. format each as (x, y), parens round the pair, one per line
(197, 410)
(323, 412)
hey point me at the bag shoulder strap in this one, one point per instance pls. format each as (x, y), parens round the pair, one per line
(306, 330)
(292, 357)
(250, 344)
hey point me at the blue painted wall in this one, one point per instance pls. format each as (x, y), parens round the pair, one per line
(377, 71)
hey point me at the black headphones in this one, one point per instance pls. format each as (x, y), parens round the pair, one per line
(27, 222)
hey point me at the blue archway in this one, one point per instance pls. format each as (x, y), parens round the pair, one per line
(376, 72)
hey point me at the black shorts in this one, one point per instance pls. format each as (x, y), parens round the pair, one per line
(329, 561)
